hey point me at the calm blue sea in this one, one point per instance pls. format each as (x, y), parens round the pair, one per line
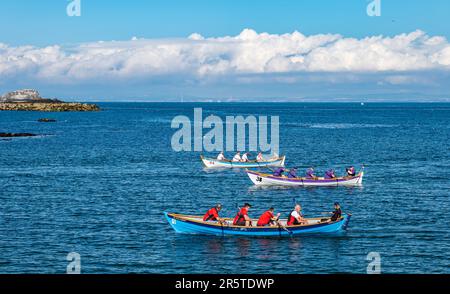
(98, 183)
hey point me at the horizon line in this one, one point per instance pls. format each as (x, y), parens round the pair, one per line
(268, 102)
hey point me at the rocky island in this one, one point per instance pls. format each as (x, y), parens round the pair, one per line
(30, 100)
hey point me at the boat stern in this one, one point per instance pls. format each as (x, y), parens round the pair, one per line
(346, 222)
(360, 179)
(338, 227)
(283, 160)
(278, 162)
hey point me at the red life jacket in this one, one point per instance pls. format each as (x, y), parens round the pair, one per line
(240, 216)
(265, 218)
(292, 220)
(211, 215)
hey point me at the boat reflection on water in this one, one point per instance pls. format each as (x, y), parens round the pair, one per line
(214, 246)
(232, 255)
(266, 248)
(243, 245)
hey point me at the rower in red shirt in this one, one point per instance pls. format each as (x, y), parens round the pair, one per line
(242, 218)
(267, 218)
(213, 214)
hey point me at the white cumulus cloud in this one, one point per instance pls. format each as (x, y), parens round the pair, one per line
(247, 53)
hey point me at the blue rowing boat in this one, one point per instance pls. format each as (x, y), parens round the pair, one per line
(188, 224)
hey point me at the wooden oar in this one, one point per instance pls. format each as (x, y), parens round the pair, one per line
(221, 225)
(271, 169)
(285, 170)
(283, 227)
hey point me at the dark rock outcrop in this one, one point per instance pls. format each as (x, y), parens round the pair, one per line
(49, 107)
(12, 135)
(46, 120)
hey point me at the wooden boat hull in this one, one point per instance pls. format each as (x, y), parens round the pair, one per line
(263, 179)
(195, 225)
(214, 163)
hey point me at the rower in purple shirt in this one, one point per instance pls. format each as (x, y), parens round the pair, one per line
(292, 173)
(279, 172)
(329, 174)
(310, 173)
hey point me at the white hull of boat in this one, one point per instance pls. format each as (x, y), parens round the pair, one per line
(262, 179)
(214, 163)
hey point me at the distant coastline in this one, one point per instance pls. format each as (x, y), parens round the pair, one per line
(30, 100)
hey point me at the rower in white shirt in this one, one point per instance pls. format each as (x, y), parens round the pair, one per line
(221, 156)
(296, 217)
(244, 157)
(237, 157)
(259, 157)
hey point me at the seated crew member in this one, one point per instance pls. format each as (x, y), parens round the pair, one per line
(213, 214)
(242, 218)
(221, 156)
(268, 218)
(295, 217)
(259, 158)
(351, 172)
(244, 157)
(292, 173)
(279, 172)
(310, 173)
(237, 157)
(329, 174)
(337, 213)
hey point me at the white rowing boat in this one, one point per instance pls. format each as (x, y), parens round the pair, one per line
(264, 179)
(214, 163)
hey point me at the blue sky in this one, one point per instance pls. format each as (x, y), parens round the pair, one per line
(45, 23)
